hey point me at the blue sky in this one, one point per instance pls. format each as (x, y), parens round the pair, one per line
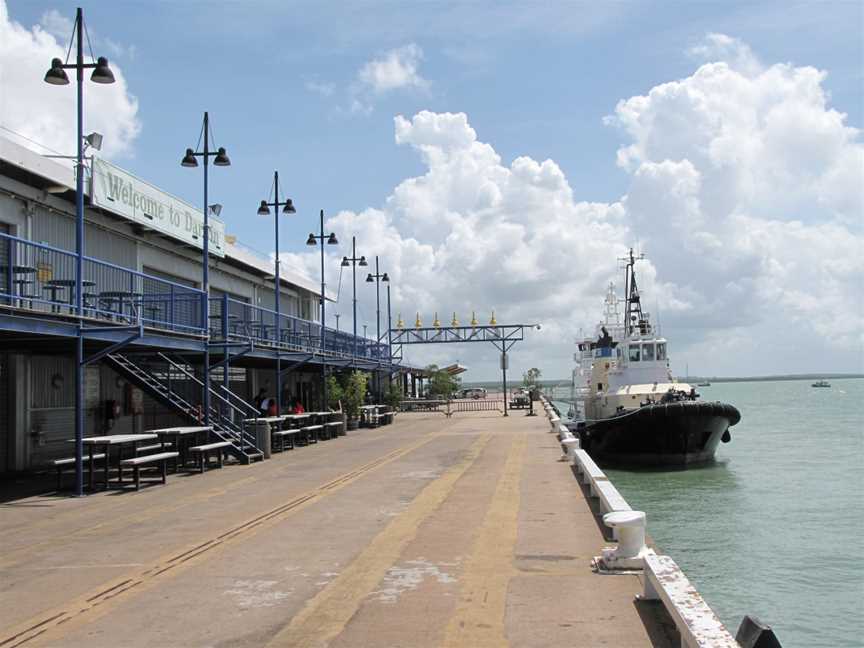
(534, 79)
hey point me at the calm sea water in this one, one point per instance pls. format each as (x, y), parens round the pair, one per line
(775, 528)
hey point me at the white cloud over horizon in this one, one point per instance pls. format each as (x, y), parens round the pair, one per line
(393, 70)
(45, 113)
(744, 193)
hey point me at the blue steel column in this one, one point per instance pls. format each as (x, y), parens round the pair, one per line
(354, 279)
(277, 297)
(323, 327)
(205, 307)
(227, 358)
(377, 328)
(79, 265)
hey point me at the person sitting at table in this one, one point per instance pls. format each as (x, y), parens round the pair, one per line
(259, 399)
(298, 407)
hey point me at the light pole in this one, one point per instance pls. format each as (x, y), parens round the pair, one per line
(354, 261)
(56, 75)
(337, 316)
(315, 239)
(264, 210)
(378, 277)
(220, 158)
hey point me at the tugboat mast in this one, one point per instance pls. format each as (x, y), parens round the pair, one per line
(633, 305)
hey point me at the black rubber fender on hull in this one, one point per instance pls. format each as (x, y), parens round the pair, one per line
(679, 433)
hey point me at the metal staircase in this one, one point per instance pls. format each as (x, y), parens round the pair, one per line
(165, 380)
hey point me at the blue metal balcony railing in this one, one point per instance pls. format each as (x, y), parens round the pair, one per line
(41, 278)
(38, 278)
(231, 318)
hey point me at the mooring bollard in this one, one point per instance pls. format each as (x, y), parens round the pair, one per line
(631, 548)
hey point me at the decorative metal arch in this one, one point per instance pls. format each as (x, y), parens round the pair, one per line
(502, 337)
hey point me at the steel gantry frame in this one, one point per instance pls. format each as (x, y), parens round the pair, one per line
(502, 337)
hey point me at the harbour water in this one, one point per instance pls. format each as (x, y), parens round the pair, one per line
(774, 528)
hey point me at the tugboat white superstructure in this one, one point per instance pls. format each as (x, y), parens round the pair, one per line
(635, 412)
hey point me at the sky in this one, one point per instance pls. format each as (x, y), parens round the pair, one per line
(502, 157)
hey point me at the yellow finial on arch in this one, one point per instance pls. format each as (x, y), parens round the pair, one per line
(436, 323)
(493, 322)
(400, 324)
(454, 322)
(474, 321)
(417, 322)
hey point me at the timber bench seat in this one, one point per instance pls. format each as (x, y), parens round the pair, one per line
(281, 435)
(149, 448)
(333, 429)
(61, 464)
(137, 462)
(312, 432)
(203, 452)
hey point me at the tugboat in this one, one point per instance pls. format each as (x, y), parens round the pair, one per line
(821, 383)
(636, 414)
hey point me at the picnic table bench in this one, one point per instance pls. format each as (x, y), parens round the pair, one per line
(61, 464)
(203, 452)
(137, 462)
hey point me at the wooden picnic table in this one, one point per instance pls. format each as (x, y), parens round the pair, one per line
(189, 434)
(106, 442)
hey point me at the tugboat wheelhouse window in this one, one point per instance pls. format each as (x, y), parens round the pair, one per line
(648, 352)
(661, 350)
(634, 353)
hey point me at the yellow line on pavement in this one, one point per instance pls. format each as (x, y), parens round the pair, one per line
(97, 602)
(326, 615)
(479, 618)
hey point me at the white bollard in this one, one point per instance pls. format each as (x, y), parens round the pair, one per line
(570, 445)
(631, 549)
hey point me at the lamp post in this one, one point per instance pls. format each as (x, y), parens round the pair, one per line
(354, 261)
(315, 239)
(264, 210)
(378, 277)
(220, 158)
(56, 75)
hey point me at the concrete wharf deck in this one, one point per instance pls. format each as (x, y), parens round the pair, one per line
(432, 531)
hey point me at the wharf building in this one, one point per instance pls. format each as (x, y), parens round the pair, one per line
(142, 269)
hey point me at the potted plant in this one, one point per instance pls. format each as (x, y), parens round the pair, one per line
(353, 395)
(393, 396)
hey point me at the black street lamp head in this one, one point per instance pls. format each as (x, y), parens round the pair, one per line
(289, 207)
(363, 262)
(263, 210)
(221, 158)
(311, 240)
(331, 240)
(385, 277)
(369, 278)
(102, 73)
(189, 159)
(345, 262)
(56, 75)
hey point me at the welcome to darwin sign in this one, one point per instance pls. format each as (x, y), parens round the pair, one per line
(136, 200)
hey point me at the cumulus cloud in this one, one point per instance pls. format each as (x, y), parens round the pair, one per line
(45, 113)
(396, 69)
(744, 193)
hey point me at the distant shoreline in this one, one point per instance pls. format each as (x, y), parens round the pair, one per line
(694, 379)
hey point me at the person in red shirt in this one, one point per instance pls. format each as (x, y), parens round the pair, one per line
(298, 407)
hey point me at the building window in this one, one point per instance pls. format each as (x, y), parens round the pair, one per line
(661, 350)
(634, 353)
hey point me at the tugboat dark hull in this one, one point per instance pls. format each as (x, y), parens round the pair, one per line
(676, 434)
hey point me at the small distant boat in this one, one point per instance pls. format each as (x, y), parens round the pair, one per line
(703, 384)
(821, 383)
